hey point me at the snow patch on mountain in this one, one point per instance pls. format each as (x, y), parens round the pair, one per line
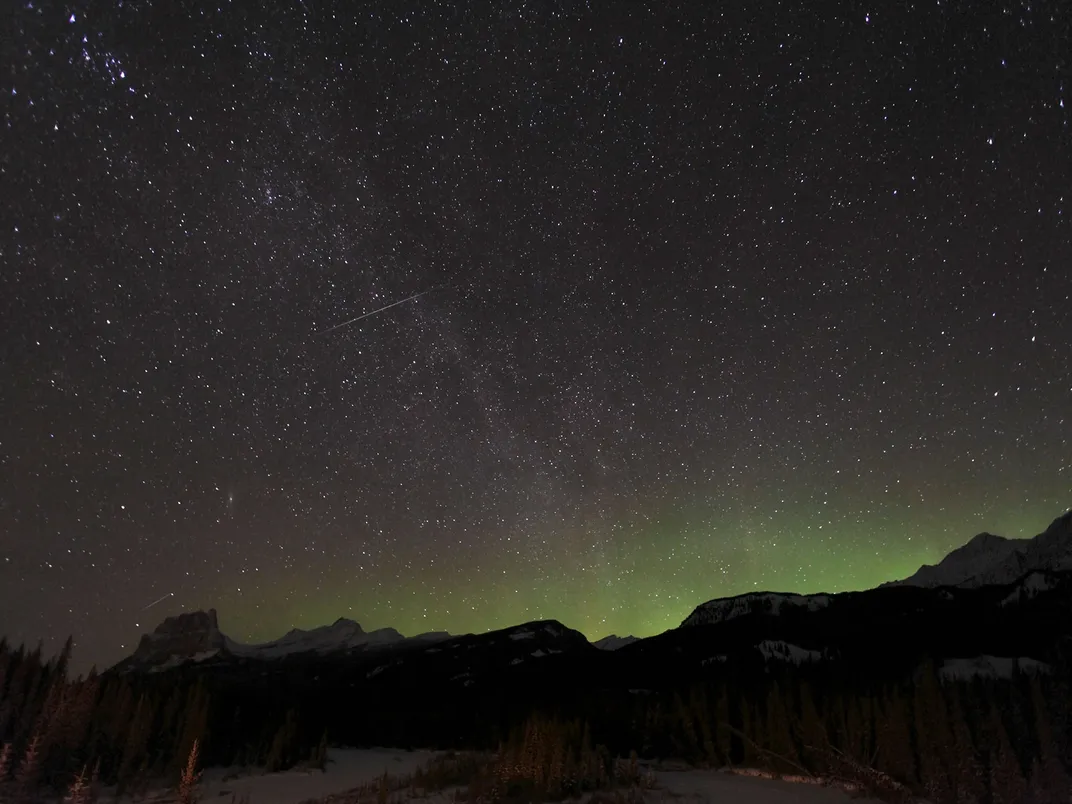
(990, 667)
(781, 651)
(613, 642)
(727, 608)
(175, 661)
(1030, 586)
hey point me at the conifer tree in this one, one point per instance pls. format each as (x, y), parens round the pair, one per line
(688, 742)
(7, 716)
(556, 769)
(1007, 783)
(779, 738)
(723, 735)
(5, 661)
(708, 749)
(63, 661)
(27, 694)
(811, 732)
(190, 776)
(281, 752)
(1049, 778)
(858, 724)
(79, 790)
(194, 720)
(52, 719)
(5, 763)
(116, 713)
(170, 714)
(95, 780)
(751, 735)
(137, 739)
(587, 758)
(81, 714)
(933, 735)
(835, 721)
(894, 740)
(29, 770)
(967, 772)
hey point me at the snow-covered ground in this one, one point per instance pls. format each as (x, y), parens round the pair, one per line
(713, 787)
(348, 769)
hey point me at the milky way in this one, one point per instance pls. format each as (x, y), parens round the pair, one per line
(774, 297)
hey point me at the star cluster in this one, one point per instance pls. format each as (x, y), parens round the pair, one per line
(768, 295)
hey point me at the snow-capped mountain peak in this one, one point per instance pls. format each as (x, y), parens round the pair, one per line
(967, 561)
(988, 559)
(343, 634)
(727, 608)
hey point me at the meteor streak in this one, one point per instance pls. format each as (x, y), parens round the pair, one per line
(373, 312)
(161, 600)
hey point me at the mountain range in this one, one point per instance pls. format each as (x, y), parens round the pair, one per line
(967, 618)
(990, 605)
(196, 637)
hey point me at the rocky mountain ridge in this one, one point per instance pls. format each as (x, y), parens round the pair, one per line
(184, 636)
(989, 560)
(196, 637)
(989, 578)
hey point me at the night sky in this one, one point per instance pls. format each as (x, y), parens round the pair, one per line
(775, 296)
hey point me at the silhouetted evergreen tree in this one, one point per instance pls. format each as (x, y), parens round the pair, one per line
(133, 758)
(895, 754)
(1007, 782)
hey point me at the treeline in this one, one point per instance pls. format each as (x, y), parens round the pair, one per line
(45, 719)
(56, 731)
(999, 741)
(544, 759)
(986, 740)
